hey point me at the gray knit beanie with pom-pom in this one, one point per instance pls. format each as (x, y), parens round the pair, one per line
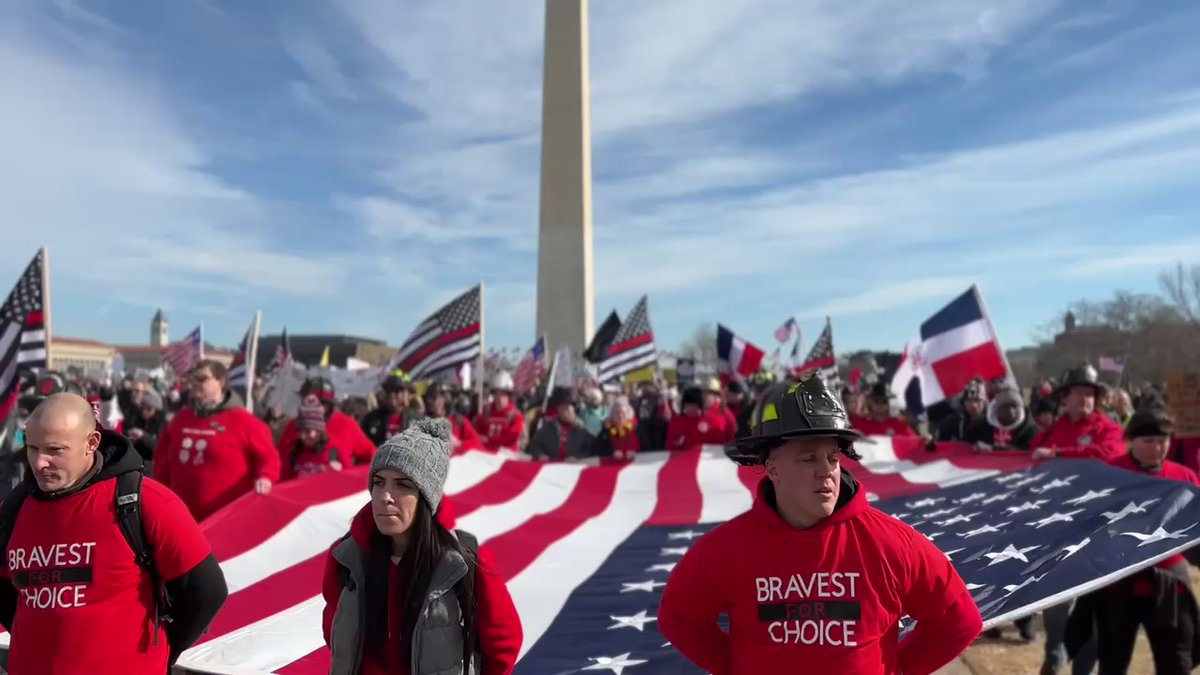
(421, 452)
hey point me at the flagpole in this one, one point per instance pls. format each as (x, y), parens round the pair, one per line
(482, 346)
(45, 253)
(252, 361)
(1012, 377)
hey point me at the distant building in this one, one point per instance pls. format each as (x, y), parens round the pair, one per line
(83, 355)
(308, 349)
(160, 334)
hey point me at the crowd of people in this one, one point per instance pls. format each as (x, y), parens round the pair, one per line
(78, 446)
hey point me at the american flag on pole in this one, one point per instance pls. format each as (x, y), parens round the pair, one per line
(821, 357)
(185, 354)
(786, 331)
(1112, 364)
(532, 367)
(586, 549)
(632, 347)
(239, 377)
(450, 337)
(22, 333)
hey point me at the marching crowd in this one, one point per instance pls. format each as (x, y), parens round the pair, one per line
(96, 548)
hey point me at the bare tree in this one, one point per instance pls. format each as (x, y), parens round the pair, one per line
(1181, 288)
(702, 346)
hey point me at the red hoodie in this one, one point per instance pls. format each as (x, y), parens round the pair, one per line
(1093, 436)
(496, 617)
(500, 428)
(354, 448)
(708, 428)
(892, 426)
(829, 597)
(212, 460)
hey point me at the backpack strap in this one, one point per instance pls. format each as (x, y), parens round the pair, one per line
(128, 498)
(8, 516)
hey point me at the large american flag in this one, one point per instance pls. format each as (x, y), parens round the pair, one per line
(586, 549)
(185, 354)
(450, 337)
(22, 332)
(632, 347)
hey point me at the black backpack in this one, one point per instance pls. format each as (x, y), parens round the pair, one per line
(128, 498)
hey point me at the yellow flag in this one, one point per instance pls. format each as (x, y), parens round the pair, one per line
(325, 357)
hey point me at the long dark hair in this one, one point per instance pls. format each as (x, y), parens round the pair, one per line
(428, 541)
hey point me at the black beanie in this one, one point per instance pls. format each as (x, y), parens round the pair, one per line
(1149, 422)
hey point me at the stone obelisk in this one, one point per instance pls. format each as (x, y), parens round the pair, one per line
(565, 300)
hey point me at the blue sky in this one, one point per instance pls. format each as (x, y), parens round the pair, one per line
(346, 167)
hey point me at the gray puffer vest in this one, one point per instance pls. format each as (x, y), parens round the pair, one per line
(437, 647)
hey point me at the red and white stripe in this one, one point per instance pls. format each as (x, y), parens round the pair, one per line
(550, 527)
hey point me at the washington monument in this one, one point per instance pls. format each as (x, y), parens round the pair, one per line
(565, 300)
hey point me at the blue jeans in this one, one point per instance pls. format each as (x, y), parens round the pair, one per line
(1055, 621)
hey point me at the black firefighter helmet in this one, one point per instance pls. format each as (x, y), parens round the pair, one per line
(1083, 375)
(317, 386)
(794, 409)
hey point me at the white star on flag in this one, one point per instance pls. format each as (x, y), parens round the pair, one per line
(960, 518)
(941, 512)
(1013, 588)
(617, 664)
(973, 497)
(922, 503)
(674, 551)
(1089, 496)
(1129, 510)
(1056, 518)
(1074, 548)
(689, 535)
(984, 529)
(1157, 535)
(1027, 506)
(998, 498)
(637, 621)
(952, 552)
(1056, 483)
(1010, 552)
(661, 567)
(647, 586)
(1026, 481)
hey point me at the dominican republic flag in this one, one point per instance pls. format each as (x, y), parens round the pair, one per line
(586, 549)
(955, 346)
(736, 358)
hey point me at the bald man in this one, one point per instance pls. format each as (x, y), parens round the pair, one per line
(72, 593)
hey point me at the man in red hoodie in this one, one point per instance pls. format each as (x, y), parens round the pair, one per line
(501, 425)
(215, 450)
(341, 429)
(1158, 599)
(698, 425)
(1082, 431)
(812, 578)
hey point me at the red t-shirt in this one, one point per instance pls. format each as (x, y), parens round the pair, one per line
(83, 604)
(500, 428)
(306, 461)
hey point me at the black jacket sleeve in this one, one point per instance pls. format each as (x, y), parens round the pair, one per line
(8, 604)
(195, 599)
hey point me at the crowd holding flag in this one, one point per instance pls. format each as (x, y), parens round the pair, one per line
(632, 347)
(185, 354)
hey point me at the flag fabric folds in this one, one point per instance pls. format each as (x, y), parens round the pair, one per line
(22, 333)
(736, 357)
(632, 347)
(586, 549)
(597, 349)
(185, 354)
(448, 338)
(953, 347)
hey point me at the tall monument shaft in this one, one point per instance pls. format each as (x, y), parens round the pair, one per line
(565, 299)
